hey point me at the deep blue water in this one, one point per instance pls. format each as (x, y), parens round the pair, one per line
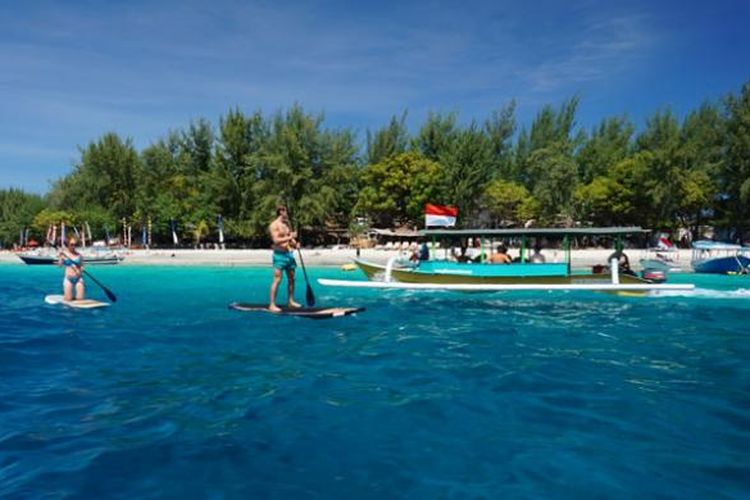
(438, 395)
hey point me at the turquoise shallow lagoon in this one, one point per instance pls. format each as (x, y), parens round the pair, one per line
(425, 395)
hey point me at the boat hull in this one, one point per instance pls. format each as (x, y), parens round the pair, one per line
(45, 260)
(722, 265)
(376, 272)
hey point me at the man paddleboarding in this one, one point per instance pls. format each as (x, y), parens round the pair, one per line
(284, 243)
(73, 278)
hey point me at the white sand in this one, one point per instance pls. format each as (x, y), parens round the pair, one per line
(332, 257)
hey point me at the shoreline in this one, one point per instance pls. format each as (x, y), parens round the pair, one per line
(333, 257)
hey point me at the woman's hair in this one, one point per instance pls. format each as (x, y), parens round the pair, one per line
(72, 239)
(279, 209)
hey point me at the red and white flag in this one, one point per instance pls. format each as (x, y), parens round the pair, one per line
(439, 215)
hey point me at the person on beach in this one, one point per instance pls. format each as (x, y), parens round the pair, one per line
(73, 277)
(284, 243)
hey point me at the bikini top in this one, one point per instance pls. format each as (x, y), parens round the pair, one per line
(67, 261)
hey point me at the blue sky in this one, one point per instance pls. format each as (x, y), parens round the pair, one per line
(72, 70)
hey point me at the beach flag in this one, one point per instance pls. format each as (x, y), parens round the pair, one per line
(439, 215)
(175, 239)
(220, 225)
(664, 243)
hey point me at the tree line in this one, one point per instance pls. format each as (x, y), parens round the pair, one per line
(667, 174)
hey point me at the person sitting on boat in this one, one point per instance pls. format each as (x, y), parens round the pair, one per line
(537, 257)
(421, 253)
(623, 263)
(73, 277)
(284, 243)
(461, 256)
(474, 250)
(501, 256)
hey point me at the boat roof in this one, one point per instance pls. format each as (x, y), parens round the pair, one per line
(716, 245)
(539, 231)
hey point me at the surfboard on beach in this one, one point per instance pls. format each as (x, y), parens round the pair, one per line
(78, 304)
(303, 312)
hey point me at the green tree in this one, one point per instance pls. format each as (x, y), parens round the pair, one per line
(107, 176)
(509, 203)
(17, 212)
(500, 127)
(437, 136)
(396, 189)
(391, 140)
(608, 144)
(734, 178)
(468, 167)
(556, 178)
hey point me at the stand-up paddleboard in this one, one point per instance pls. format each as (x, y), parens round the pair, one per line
(80, 304)
(304, 312)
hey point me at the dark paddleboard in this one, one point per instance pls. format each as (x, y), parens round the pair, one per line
(304, 312)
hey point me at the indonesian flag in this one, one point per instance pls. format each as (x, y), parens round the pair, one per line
(664, 243)
(439, 215)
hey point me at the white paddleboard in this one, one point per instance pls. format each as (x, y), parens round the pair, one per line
(80, 304)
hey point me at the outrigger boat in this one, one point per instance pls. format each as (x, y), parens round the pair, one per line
(521, 275)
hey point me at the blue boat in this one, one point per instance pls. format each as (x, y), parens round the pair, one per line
(712, 257)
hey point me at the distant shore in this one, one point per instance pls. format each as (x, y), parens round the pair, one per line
(581, 258)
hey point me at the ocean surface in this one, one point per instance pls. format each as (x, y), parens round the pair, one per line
(168, 394)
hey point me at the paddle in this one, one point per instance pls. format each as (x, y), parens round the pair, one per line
(310, 296)
(111, 296)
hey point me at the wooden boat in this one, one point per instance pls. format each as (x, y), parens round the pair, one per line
(712, 257)
(521, 275)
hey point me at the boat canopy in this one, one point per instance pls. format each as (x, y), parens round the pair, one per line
(716, 245)
(537, 231)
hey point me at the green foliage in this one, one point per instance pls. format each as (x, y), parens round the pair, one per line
(734, 177)
(107, 176)
(468, 167)
(688, 173)
(556, 177)
(509, 203)
(397, 188)
(388, 141)
(608, 144)
(17, 211)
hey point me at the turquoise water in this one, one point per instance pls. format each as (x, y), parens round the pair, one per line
(170, 394)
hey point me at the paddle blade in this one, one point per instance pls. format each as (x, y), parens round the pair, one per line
(111, 296)
(310, 296)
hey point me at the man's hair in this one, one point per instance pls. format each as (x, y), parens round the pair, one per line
(279, 209)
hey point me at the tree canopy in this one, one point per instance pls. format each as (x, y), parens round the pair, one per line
(667, 173)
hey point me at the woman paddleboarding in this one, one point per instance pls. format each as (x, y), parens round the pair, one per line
(73, 278)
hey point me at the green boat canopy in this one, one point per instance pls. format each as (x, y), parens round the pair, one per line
(537, 231)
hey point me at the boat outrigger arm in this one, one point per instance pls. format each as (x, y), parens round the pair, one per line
(613, 285)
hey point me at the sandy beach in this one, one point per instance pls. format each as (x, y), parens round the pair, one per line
(581, 258)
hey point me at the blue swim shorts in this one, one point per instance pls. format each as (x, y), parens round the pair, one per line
(284, 261)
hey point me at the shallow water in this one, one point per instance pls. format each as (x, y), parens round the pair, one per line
(168, 393)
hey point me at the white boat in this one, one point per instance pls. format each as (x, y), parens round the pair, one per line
(91, 256)
(666, 260)
(664, 257)
(712, 257)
